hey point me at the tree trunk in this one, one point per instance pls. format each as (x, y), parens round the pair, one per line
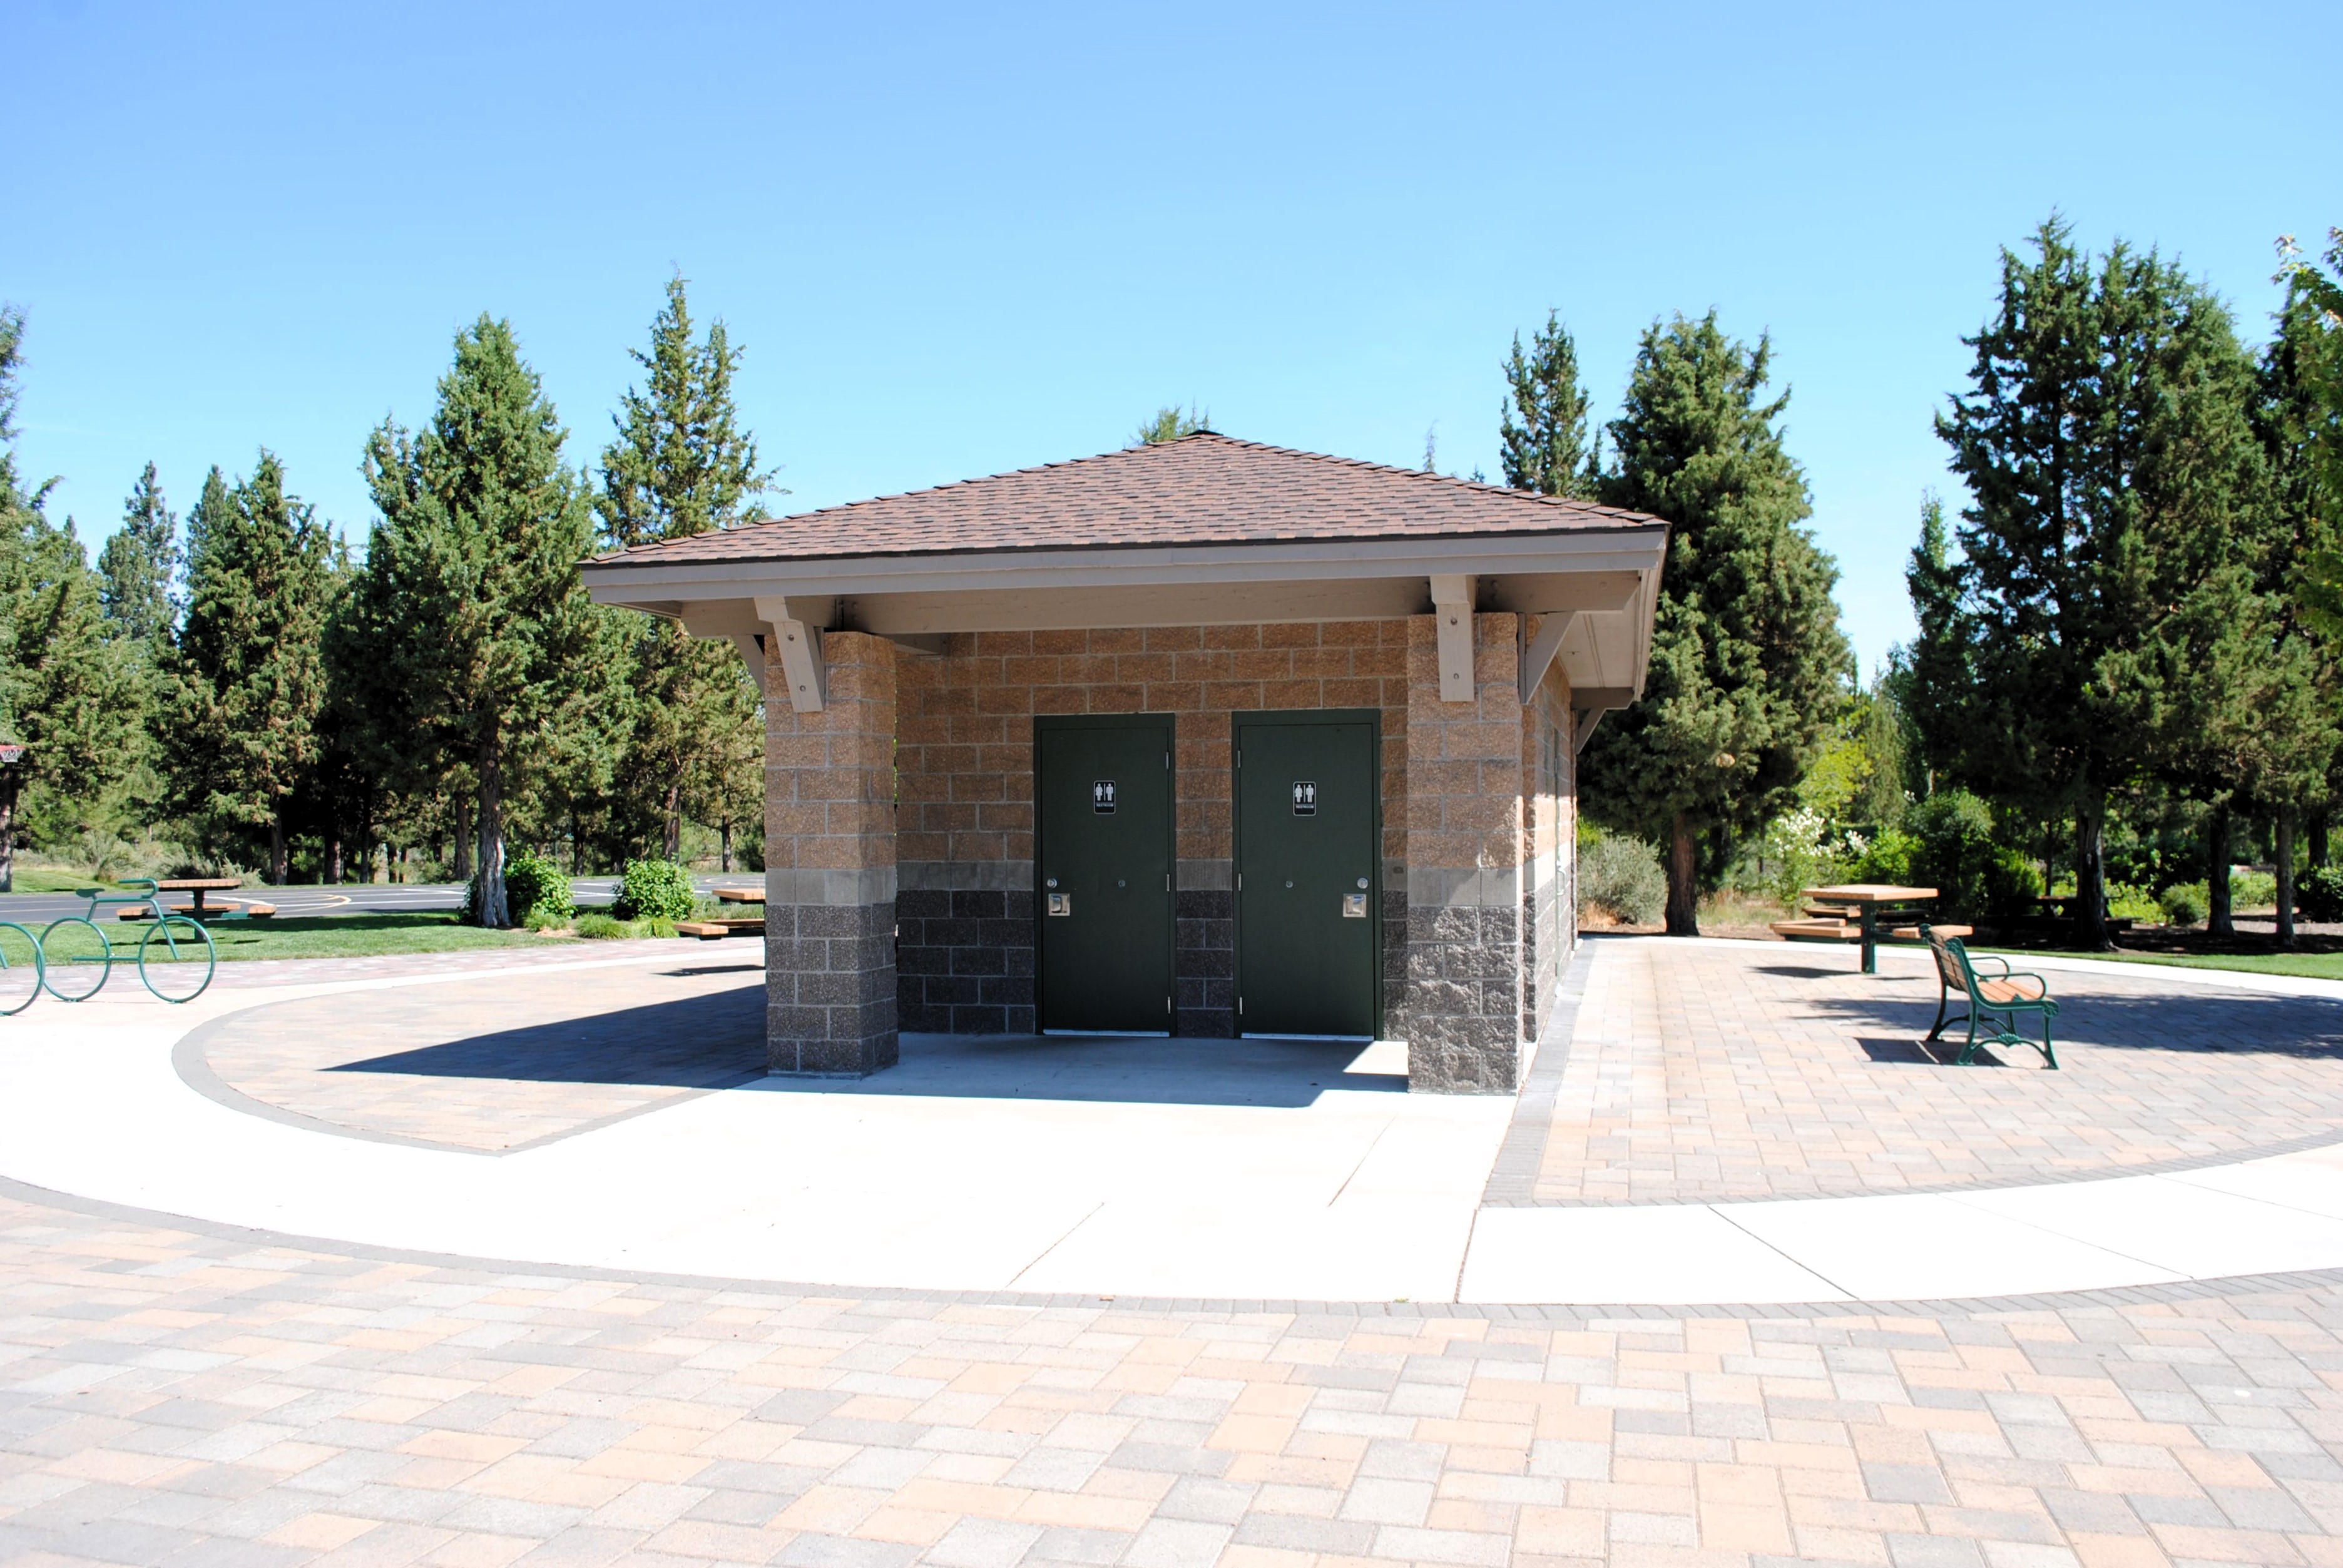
(724, 846)
(2286, 815)
(2091, 876)
(8, 835)
(277, 850)
(463, 855)
(1683, 882)
(494, 916)
(672, 838)
(334, 858)
(2217, 852)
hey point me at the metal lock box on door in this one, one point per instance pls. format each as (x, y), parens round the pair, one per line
(1309, 864)
(1103, 853)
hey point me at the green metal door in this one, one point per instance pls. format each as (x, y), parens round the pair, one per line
(1103, 863)
(1309, 872)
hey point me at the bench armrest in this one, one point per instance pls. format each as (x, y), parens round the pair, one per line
(1978, 961)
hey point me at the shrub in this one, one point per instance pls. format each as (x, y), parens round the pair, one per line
(2253, 890)
(1886, 859)
(2185, 903)
(537, 892)
(2319, 893)
(1623, 876)
(2127, 903)
(660, 889)
(595, 923)
(1956, 854)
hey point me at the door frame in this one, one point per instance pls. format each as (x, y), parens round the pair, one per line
(1042, 724)
(1373, 718)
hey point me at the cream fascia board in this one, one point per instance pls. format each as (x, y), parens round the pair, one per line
(645, 583)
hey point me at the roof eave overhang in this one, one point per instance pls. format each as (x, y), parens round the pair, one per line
(1607, 579)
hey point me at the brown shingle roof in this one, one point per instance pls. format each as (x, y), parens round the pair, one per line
(1205, 488)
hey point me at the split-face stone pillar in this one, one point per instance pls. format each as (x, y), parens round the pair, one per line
(829, 866)
(1466, 837)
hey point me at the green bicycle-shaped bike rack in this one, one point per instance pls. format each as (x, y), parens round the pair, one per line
(20, 969)
(175, 957)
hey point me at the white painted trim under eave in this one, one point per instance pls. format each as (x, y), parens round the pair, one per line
(644, 582)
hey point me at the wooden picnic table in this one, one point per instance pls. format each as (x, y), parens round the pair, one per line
(199, 886)
(1869, 900)
(739, 895)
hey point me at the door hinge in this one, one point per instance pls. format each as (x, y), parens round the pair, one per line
(1167, 1005)
(1240, 1007)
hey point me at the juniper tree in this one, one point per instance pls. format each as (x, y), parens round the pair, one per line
(2107, 567)
(1546, 449)
(680, 464)
(237, 726)
(472, 573)
(1747, 662)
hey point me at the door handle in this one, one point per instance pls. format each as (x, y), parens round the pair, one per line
(1355, 905)
(1061, 903)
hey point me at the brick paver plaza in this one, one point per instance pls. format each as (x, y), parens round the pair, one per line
(180, 1392)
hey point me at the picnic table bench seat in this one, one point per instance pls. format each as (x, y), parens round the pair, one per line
(714, 929)
(1818, 930)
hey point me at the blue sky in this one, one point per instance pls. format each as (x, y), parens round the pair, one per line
(955, 240)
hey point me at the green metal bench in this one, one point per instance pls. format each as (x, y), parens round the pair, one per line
(1995, 999)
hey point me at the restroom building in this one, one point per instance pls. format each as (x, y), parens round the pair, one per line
(1202, 739)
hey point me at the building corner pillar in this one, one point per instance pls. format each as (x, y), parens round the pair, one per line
(1466, 840)
(829, 866)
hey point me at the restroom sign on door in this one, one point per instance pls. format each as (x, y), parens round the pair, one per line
(1305, 798)
(1102, 797)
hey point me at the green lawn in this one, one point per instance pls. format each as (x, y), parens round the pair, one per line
(350, 937)
(2311, 966)
(55, 880)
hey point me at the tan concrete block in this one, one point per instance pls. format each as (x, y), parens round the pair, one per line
(1071, 641)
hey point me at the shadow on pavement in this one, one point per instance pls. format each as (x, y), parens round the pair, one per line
(699, 1043)
(2236, 1022)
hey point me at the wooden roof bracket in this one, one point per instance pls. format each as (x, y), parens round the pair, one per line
(1537, 653)
(795, 634)
(1452, 611)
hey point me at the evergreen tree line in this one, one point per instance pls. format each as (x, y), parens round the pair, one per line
(246, 692)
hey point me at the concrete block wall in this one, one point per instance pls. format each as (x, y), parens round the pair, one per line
(1466, 842)
(829, 868)
(966, 768)
(1550, 884)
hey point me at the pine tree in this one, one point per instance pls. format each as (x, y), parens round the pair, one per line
(473, 571)
(138, 564)
(66, 692)
(1748, 663)
(2312, 341)
(678, 465)
(1547, 450)
(2111, 474)
(1171, 423)
(245, 682)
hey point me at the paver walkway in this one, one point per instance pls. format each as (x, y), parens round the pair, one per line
(1714, 1070)
(173, 1395)
(531, 1058)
